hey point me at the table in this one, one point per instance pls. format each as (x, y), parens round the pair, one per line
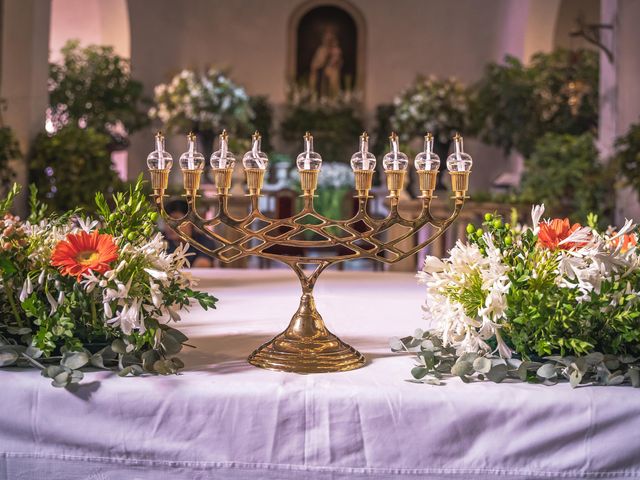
(224, 419)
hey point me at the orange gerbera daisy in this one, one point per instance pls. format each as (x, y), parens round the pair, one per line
(82, 252)
(553, 232)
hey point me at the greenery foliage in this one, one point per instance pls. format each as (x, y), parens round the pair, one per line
(93, 87)
(627, 156)
(513, 105)
(564, 173)
(335, 123)
(70, 166)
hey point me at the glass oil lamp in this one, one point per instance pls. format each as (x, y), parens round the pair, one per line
(255, 164)
(309, 164)
(222, 163)
(159, 163)
(427, 164)
(395, 165)
(459, 165)
(192, 165)
(363, 163)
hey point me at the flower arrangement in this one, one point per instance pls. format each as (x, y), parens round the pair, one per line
(533, 304)
(102, 292)
(202, 102)
(433, 105)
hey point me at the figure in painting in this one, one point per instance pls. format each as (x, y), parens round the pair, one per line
(326, 66)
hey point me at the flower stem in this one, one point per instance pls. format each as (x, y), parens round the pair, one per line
(94, 315)
(14, 308)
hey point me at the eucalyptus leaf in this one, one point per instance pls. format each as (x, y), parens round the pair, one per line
(634, 376)
(482, 365)
(75, 360)
(462, 368)
(177, 335)
(547, 371)
(8, 356)
(170, 345)
(396, 344)
(497, 373)
(118, 346)
(419, 372)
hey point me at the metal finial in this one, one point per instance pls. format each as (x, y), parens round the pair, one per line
(428, 137)
(224, 135)
(191, 137)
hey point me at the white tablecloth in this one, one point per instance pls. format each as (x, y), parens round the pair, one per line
(224, 419)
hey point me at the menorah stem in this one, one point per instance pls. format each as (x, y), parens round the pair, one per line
(307, 346)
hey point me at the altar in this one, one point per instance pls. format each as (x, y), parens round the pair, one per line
(225, 419)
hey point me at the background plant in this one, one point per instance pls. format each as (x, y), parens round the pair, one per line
(513, 105)
(208, 101)
(9, 150)
(431, 104)
(335, 122)
(70, 166)
(93, 87)
(627, 156)
(564, 173)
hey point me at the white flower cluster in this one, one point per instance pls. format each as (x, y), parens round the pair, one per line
(206, 100)
(466, 268)
(431, 105)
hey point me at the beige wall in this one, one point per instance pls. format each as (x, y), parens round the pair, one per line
(403, 38)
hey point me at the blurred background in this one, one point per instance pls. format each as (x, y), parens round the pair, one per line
(544, 92)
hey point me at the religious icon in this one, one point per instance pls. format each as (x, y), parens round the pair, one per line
(326, 51)
(326, 66)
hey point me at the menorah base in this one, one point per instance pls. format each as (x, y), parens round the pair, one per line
(306, 346)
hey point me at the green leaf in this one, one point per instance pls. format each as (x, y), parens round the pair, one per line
(170, 345)
(462, 368)
(497, 373)
(547, 371)
(419, 372)
(482, 365)
(8, 356)
(75, 360)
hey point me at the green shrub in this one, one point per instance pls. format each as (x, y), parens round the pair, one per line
(71, 166)
(564, 173)
(93, 86)
(9, 150)
(513, 105)
(627, 157)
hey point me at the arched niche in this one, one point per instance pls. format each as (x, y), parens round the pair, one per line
(314, 21)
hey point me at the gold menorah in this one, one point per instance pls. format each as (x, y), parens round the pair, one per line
(307, 346)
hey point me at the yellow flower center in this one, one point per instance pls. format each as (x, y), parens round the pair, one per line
(87, 257)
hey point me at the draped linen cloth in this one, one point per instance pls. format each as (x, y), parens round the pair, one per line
(224, 419)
